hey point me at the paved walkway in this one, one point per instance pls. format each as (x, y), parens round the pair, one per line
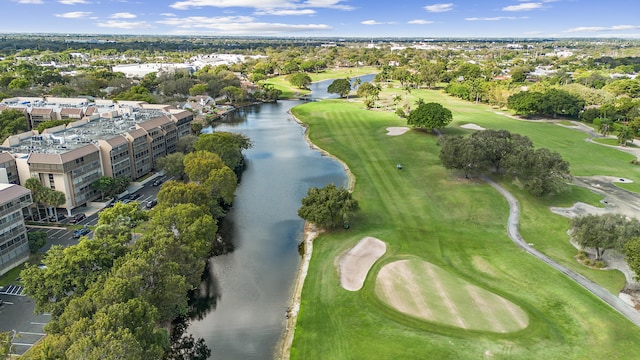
(512, 229)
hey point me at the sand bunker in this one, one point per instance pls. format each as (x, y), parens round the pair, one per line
(472, 127)
(395, 131)
(355, 263)
(426, 291)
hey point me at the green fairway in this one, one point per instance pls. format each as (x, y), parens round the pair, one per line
(288, 91)
(425, 212)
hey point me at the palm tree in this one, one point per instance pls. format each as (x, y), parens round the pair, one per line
(356, 83)
(57, 198)
(624, 135)
(396, 100)
(35, 186)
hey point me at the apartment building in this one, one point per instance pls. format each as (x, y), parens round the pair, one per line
(14, 246)
(8, 169)
(112, 139)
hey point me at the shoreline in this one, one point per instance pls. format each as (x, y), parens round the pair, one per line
(283, 348)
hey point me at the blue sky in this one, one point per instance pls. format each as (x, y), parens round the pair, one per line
(334, 18)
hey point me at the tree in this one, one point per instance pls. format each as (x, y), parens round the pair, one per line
(190, 233)
(625, 134)
(463, 154)
(368, 91)
(341, 87)
(222, 184)
(429, 116)
(396, 100)
(328, 206)
(186, 144)
(198, 89)
(632, 255)
(227, 145)
(525, 102)
(71, 271)
(172, 164)
(199, 164)
(12, 122)
(6, 338)
(105, 185)
(173, 193)
(37, 239)
(36, 187)
(122, 213)
(542, 172)
(300, 80)
(602, 232)
(137, 92)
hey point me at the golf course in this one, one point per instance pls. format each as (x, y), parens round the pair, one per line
(451, 284)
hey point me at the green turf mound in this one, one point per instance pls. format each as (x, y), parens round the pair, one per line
(423, 290)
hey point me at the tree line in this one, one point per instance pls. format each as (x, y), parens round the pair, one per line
(115, 296)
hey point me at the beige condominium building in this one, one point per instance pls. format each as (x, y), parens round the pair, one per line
(14, 246)
(112, 139)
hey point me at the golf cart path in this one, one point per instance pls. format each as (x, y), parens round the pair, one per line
(512, 229)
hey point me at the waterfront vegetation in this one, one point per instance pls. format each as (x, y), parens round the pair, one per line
(289, 91)
(427, 212)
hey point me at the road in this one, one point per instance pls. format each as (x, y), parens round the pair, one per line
(512, 229)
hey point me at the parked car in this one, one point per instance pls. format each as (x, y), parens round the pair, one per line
(81, 232)
(151, 204)
(52, 218)
(77, 218)
(157, 182)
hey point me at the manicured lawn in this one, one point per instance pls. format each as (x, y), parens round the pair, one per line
(11, 276)
(423, 211)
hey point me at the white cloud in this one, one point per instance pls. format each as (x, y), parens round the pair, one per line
(119, 24)
(419, 22)
(439, 7)
(73, 2)
(123, 15)
(262, 4)
(73, 15)
(29, 1)
(237, 25)
(375, 22)
(497, 18)
(604, 28)
(523, 7)
(168, 14)
(285, 12)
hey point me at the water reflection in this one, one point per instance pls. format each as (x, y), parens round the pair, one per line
(240, 310)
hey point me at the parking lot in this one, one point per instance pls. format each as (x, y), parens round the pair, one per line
(17, 317)
(17, 309)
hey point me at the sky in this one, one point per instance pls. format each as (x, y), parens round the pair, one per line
(327, 18)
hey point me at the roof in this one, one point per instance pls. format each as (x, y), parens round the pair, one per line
(5, 157)
(155, 122)
(12, 191)
(65, 157)
(71, 111)
(90, 110)
(118, 140)
(181, 114)
(137, 133)
(41, 111)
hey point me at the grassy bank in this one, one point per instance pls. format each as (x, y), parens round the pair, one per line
(423, 211)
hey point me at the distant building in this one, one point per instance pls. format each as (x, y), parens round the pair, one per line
(14, 246)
